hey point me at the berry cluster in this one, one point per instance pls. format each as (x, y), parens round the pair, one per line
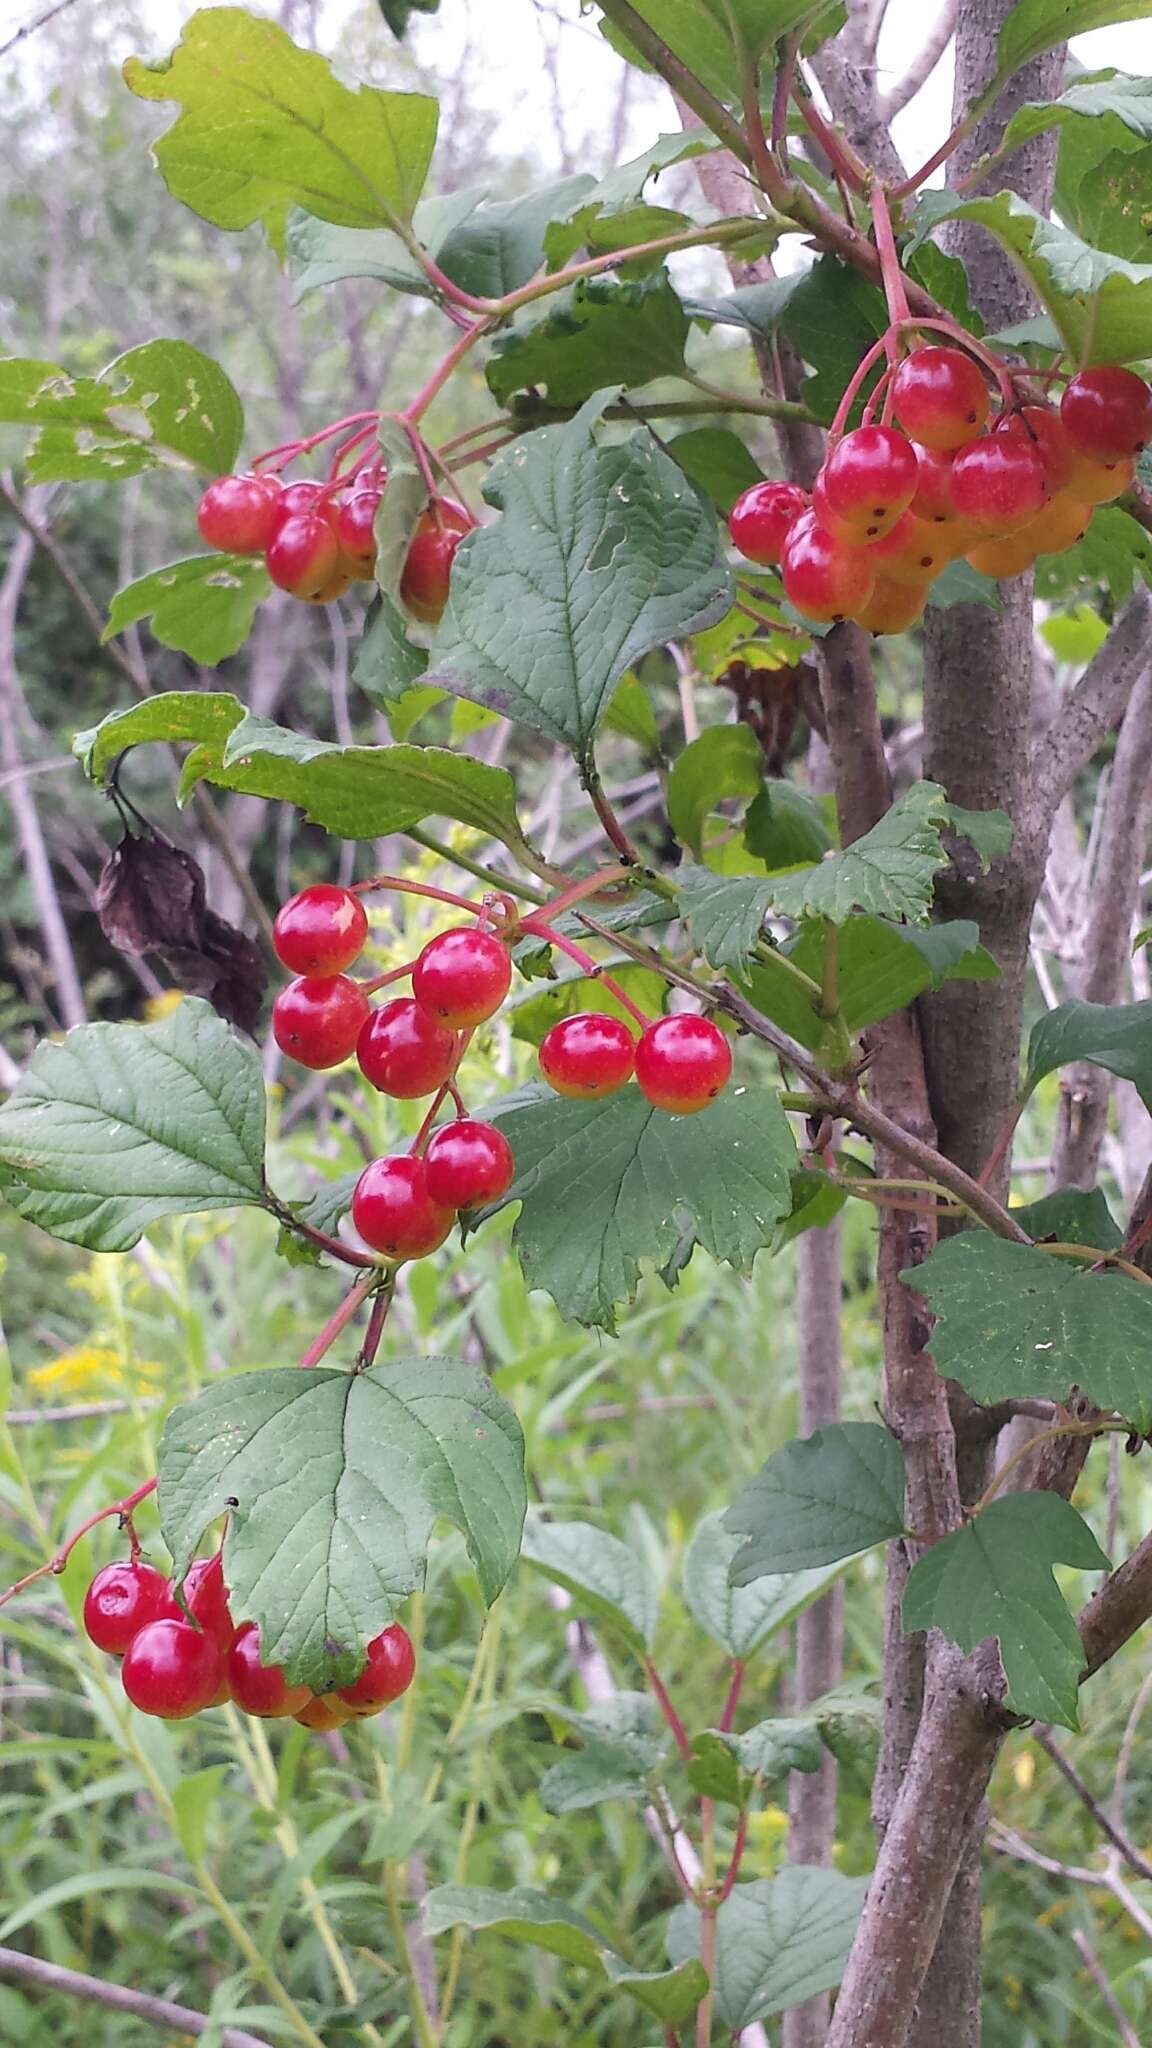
(318, 538)
(895, 503)
(177, 1659)
(404, 1205)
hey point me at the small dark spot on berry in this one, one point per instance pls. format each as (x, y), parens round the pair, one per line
(925, 561)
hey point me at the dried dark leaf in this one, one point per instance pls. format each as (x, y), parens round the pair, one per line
(150, 895)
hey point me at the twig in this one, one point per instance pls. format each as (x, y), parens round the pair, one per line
(1127, 2034)
(923, 65)
(1107, 1826)
(159, 2012)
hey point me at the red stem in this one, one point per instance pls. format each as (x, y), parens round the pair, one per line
(288, 449)
(408, 888)
(380, 981)
(675, 1724)
(1002, 1143)
(733, 1699)
(375, 1330)
(848, 166)
(344, 1314)
(57, 1563)
(878, 349)
(415, 411)
(588, 885)
(591, 966)
(890, 271)
(738, 1846)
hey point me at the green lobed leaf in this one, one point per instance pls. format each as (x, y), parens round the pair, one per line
(816, 1200)
(356, 792)
(1076, 635)
(700, 33)
(994, 1577)
(819, 1498)
(1037, 25)
(1071, 1216)
(889, 870)
(600, 1771)
(882, 967)
(204, 605)
(724, 761)
(1100, 303)
(779, 1940)
(335, 1482)
(1014, 1321)
(319, 253)
(532, 1916)
(718, 460)
(786, 825)
(630, 713)
(602, 553)
(832, 318)
(604, 1186)
(629, 331)
(606, 1578)
(596, 218)
(728, 1766)
(502, 244)
(741, 1618)
(163, 403)
(1117, 1037)
(118, 1124)
(265, 125)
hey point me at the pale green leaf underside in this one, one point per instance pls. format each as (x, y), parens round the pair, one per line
(337, 1482)
(605, 1578)
(119, 1124)
(1014, 1321)
(356, 792)
(265, 125)
(604, 1186)
(994, 1578)
(742, 1617)
(1117, 1037)
(819, 1498)
(533, 1917)
(779, 1940)
(204, 605)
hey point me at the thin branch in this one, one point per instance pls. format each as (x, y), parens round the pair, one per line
(159, 2012)
(30, 27)
(1107, 1826)
(1091, 710)
(1127, 2036)
(1117, 1608)
(922, 66)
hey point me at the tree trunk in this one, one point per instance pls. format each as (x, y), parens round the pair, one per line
(978, 688)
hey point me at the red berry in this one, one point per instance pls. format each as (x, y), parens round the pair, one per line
(939, 397)
(761, 517)
(323, 1714)
(240, 513)
(303, 555)
(914, 551)
(1107, 412)
(869, 479)
(403, 1051)
(428, 566)
(172, 1670)
(320, 931)
(206, 1599)
(999, 482)
(389, 1671)
(825, 578)
(933, 499)
(302, 496)
(682, 1063)
(394, 1212)
(462, 977)
(338, 582)
(893, 606)
(1097, 483)
(588, 1055)
(123, 1599)
(317, 1021)
(356, 527)
(1045, 432)
(261, 1689)
(468, 1162)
